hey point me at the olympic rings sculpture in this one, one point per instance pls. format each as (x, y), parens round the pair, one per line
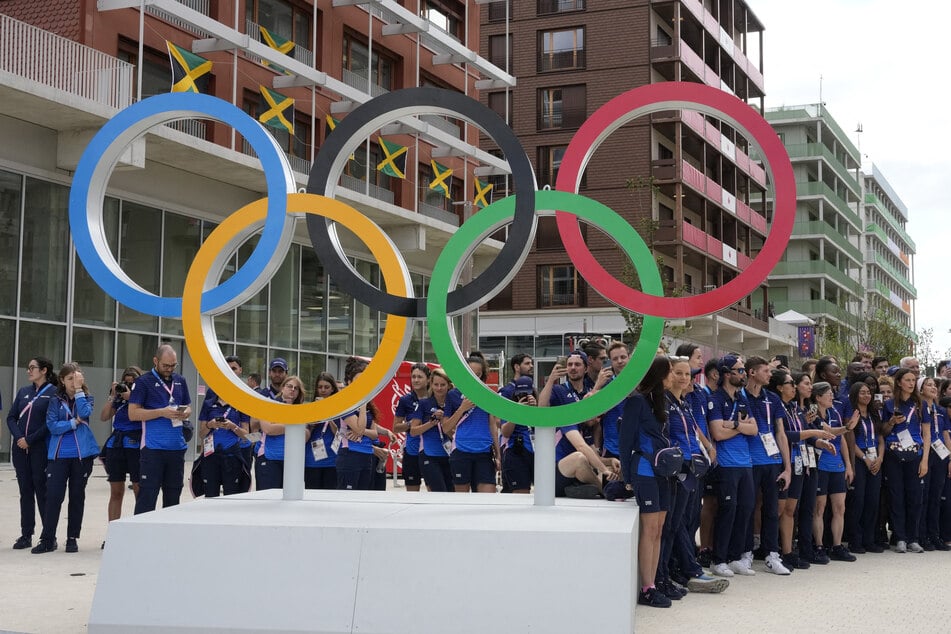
(203, 298)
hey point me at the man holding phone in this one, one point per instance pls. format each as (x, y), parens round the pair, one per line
(222, 429)
(160, 400)
(518, 450)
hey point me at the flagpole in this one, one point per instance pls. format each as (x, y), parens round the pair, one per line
(234, 77)
(138, 83)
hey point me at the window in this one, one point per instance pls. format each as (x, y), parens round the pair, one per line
(498, 50)
(282, 18)
(549, 160)
(561, 50)
(156, 71)
(380, 68)
(358, 166)
(564, 107)
(558, 286)
(559, 6)
(501, 104)
(448, 15)
(498, 11)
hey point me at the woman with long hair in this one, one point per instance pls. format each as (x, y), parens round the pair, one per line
(800, 438)
(121, 451)
(929, 527)
(475, 459)
(868, 451)
(807, 552)
(29, 435)
(642, 433)
(271, 472)
(426, 422)
(835, 475)
(72, 449)
(406, 405)
(907, 445)
(355, 457)
(320, 456)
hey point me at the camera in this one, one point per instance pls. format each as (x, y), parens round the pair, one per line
(121, 388)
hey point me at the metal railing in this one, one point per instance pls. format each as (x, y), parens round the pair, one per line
(803, 268)
(559, 6)
(201, 6)
(361, 186)
(360, 82)
(301, 54)
(561, 60)
(872, 199)
(60, 63)
(439, 214)
(193, 127)
(819, 227)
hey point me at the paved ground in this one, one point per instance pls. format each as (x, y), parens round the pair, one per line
(888, 592)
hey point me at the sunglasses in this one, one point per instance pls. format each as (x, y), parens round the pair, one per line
(738, 370)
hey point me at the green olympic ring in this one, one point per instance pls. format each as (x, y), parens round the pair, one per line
(446, 274)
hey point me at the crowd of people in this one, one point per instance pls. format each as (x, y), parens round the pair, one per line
(796, 468)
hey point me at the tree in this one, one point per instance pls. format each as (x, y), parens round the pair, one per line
(927, 355)
(883, 336)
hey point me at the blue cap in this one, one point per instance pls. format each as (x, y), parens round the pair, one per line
(579, 353)
(278, 362)
(727, 362)
(892, 370)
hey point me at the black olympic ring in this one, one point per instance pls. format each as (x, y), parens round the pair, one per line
(370, 117)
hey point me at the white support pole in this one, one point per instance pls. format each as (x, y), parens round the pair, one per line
(294, 446)
(544, 466)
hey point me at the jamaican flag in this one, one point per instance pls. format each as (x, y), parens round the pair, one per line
(442, 178)
(483, 194)
(331, 124)
(394, 159)
(276, 110)
(190, 73)
(278, 43)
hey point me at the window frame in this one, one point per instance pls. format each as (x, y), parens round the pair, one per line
(548, 54)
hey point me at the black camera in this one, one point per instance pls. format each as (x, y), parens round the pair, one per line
(121, 388)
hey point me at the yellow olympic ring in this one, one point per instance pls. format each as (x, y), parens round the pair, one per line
(236, 393)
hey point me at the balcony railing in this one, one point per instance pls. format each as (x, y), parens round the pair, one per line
(300, 53)
(195, 128)
(443, 124)
(815, 188)
(872, 199)
(559, 6)
(361, 186)
(561, 60)
(201, 6)
(818, 227)
(439, 214)
(809, 150)
(800, 268)
(360, 82)
(50, 60)
(898, 276)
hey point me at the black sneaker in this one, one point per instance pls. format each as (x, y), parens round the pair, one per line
(857, 549)
(940, 545)
(874, 548)
(793, 561)
(927, 545)
(705, 557)
(841, 553)
(653, 598)
(24, 541)
(45, 546)
(71, 545)
(820, 557)
(669, 591)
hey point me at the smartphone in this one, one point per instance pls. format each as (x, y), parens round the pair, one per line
(182, 408)
(814, 408)
(783, 360)
(561, 362)
(880, 398)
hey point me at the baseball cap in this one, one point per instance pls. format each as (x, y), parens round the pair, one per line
(579, 353)
(278, 362)
(524, 386)
(892, 369)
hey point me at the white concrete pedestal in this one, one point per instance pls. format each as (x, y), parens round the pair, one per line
(345, 561)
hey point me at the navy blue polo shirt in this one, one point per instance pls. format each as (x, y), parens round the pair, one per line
(150, 391)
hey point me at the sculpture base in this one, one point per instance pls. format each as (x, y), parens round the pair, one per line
(344, 561)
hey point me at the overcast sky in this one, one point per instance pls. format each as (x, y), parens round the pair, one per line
(883, 64)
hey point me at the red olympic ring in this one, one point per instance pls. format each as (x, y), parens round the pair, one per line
(670, 96)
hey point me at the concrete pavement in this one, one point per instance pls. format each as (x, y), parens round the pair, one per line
(889, 592)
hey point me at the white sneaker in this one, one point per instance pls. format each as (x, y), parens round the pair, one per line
(774, 564)
(721, 570)
(901, 547)
(915, 547)
(747, 559)
(739, 567)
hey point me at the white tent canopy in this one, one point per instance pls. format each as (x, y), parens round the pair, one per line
(795, 319)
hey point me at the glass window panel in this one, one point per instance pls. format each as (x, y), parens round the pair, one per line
(93, 350)
(366, 320)
(45, 251)
(428, 353)
(415, 351)
(11, 197)
(493, 344)
(8, 384)
(340, 327)
(182, 239)
(224, 324)
(285, 299)
(91, 305)
(252, 315)
(139, 256)
(288, 355)
(47, 340)
(136, 349)
(313, 316)
(310, 366)
(253, 361)
(521, 343)
(548, 346)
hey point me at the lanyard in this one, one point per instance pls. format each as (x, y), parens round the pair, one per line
(28, 408)
(795, 422)
(169, 388)
(769, 418)
(683, 417)
(869, 431)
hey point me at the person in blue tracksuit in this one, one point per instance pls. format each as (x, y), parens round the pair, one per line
(29, 435)
(357, 433)
(160, 401)
(907, 449)
(271, 451)
(868, 452)
(475, 458)
(426, 423)
(835, 473)
(71, 451)
(406, 405)
(518, 456)
(320, 457)
(121, 452)
(223, 431)
(929, 526)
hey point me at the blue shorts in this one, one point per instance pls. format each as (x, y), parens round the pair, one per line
(411, 473)
(518, 469)
(831, 482)
(652, 494)
(794, 490)
(472, 468)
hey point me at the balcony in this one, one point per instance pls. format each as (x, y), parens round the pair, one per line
(875, 230)
(815, 188)
(893, 272)
(361, 186)
(665, 170)
(817, 308)
(825, 230)
(361, 82)
(46, 59)
(301, 54)
(816, 268)
(201, 6)
(561, 60)
(438, 213)
(872, 199)
(818, 150)
(559, 6)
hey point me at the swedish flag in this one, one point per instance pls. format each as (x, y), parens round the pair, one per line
(483, 194)
(442, 178)
(277, 110)
(190, 73)
(394, 160)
